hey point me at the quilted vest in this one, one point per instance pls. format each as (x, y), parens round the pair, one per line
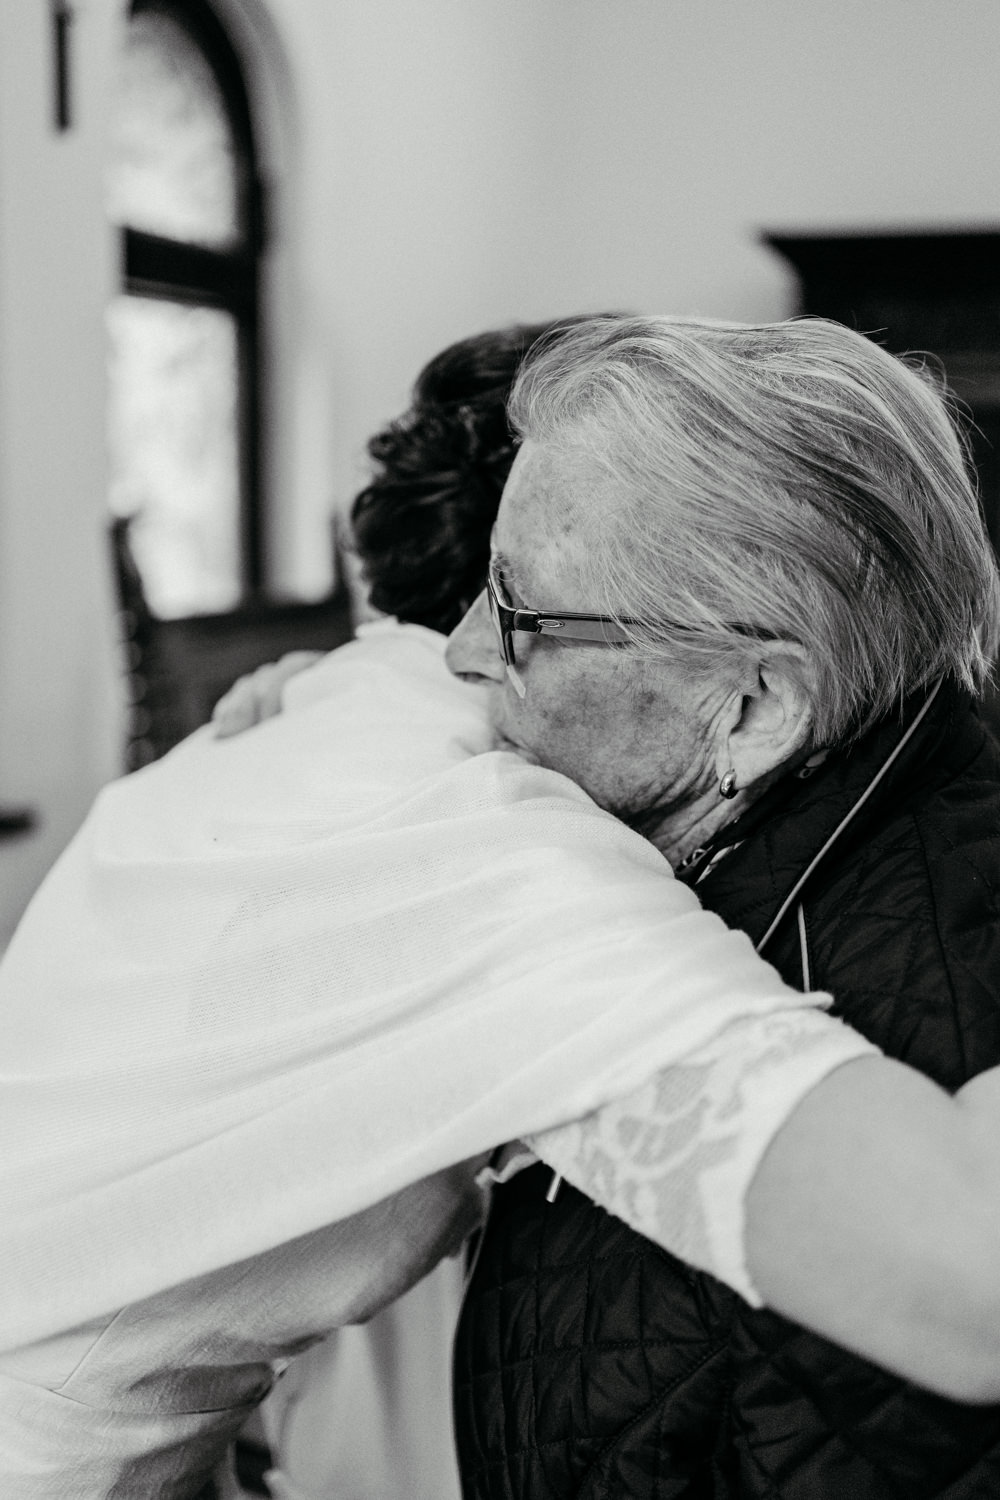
(590, 1363)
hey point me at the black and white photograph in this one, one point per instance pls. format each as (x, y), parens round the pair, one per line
(499, 750)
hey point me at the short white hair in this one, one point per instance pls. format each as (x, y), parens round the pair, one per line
(789, 481)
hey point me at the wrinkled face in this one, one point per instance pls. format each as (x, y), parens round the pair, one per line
(640, 737)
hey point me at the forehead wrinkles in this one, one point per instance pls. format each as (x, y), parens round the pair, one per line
(547, 528)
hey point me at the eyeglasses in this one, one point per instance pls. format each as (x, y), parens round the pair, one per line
(594, 630)
(574, 629)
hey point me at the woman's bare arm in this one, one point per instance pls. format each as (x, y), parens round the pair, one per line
(874, 1218)
(866, 1207)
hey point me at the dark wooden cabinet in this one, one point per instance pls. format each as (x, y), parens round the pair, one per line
(938, 293)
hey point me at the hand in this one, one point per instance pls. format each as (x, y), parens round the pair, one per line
(257, 696)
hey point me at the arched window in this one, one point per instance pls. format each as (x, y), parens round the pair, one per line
(184, 372)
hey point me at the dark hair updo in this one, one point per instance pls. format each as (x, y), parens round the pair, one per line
(422, 526)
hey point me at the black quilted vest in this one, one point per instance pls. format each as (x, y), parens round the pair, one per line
(590, 1363)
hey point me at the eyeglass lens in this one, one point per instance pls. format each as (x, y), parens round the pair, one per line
(505, 636)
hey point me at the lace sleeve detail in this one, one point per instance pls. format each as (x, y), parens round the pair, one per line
(675, 1158)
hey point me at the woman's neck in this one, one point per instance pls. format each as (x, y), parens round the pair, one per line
(680, 833)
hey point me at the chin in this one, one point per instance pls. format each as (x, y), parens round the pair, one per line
(501, 742)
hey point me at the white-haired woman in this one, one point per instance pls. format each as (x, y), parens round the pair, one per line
(279, 990)
(774, 531)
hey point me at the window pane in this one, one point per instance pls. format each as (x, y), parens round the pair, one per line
(173, 160)
(174, 458)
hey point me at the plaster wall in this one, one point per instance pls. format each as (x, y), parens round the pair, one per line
(59, 709)
(465, 165)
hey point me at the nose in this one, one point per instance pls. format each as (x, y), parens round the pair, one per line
(473, 650)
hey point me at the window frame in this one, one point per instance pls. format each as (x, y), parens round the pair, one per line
(226, 279)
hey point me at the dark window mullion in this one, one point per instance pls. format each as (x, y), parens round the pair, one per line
(159, 267)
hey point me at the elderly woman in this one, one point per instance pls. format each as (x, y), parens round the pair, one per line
(774, 532)
(280, 990)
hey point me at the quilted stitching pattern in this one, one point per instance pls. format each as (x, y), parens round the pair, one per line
(591, 1364)
(582, 1329)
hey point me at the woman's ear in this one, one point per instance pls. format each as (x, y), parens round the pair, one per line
(773, 725)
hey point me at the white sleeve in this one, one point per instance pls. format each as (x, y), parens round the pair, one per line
(675, 1158)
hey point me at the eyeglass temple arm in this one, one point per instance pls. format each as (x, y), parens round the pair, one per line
(576, 629)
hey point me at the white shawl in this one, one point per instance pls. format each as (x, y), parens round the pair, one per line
(277, 977)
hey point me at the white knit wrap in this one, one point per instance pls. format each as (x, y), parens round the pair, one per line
(275, 978)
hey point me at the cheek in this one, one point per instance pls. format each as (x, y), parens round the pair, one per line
(550, 693)
(578, 715)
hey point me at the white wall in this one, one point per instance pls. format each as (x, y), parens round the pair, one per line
(417, 178)
(59, 715)
(680, 128)
(441, 167)
(466, 164)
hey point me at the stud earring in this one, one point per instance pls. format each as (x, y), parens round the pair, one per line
(727, 786)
